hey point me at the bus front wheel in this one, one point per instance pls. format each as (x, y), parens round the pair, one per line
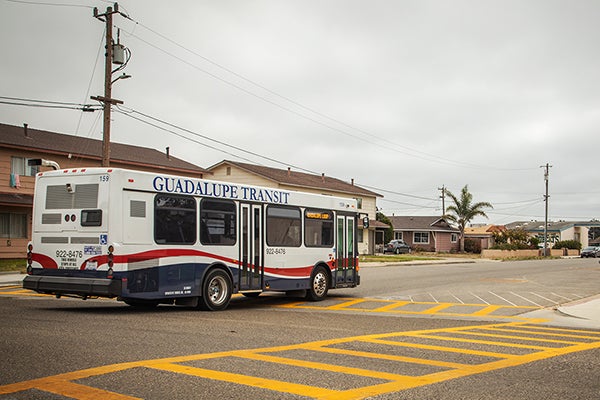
(216, 291)
(319, 284)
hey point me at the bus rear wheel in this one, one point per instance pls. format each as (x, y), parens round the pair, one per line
(319, 284)
(216, 291)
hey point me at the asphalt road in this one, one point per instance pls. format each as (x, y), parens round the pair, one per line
(408, 332)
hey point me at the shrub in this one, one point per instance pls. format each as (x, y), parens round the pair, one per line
(472, 246)
(567, 244)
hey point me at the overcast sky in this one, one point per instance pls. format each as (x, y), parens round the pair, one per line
(402, 96)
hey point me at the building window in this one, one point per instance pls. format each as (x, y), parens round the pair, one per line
(228, 171)
(13, 226)
(421, 237)
(18, 166)
(453, 237)
(360, 236)
(358, 203)
(398, 235)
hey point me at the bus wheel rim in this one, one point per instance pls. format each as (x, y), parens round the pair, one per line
(217, 290)
(320, 284)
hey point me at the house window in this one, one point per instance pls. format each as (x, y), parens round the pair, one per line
(421, 237)
(453, 237)
(13, 226)
(359, 236)
(358, 202)
(18, 166)
(398, 235)
(228, 171)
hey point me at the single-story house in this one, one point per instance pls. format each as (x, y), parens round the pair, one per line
(426, 233)
(484, 234)
(557, 231)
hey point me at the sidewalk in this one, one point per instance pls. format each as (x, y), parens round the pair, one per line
(9, 279)
(584, 313)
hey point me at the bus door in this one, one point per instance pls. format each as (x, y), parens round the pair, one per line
(251, 247)
(346, 250)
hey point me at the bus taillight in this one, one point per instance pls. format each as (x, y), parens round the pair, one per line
(29, 258)
(110, 261)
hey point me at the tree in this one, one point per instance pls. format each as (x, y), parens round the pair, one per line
(389, 232)
(464, 210)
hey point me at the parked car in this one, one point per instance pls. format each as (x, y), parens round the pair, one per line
(590, 251)
(396, 246)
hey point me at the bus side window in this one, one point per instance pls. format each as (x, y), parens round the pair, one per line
(174, 219)
(218, 222)
(284, 226)
(318, 228)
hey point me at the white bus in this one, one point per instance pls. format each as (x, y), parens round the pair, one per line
(148, 238)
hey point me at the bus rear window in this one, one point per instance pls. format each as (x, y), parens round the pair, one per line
(91, 217)
(174, 219)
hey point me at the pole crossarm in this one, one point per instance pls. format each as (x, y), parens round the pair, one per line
(105, 100)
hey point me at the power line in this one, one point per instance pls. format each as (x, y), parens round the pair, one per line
(210, 139)
(407, 150)
(43, 3)
(42, 104)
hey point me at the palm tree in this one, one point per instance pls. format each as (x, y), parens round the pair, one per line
(464, 210)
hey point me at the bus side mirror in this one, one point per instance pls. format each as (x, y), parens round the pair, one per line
(366, 222)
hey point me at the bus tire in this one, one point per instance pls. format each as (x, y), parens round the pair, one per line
(319, 284)
(216, 291)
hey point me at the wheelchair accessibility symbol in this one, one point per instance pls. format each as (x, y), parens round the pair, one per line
(103, 239)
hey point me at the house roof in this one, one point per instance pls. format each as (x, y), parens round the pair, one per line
(22, 137)
(16, 199)
(486, 230)
(299, 179)
(373, 223)
(538, 226)
(421, 223)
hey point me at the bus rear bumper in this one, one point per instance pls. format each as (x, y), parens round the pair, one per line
(64, 285)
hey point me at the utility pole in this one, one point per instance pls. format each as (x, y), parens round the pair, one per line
(443, 197)
(546, 196)
(107, 99)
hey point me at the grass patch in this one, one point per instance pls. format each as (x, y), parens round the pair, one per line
(13, 265)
